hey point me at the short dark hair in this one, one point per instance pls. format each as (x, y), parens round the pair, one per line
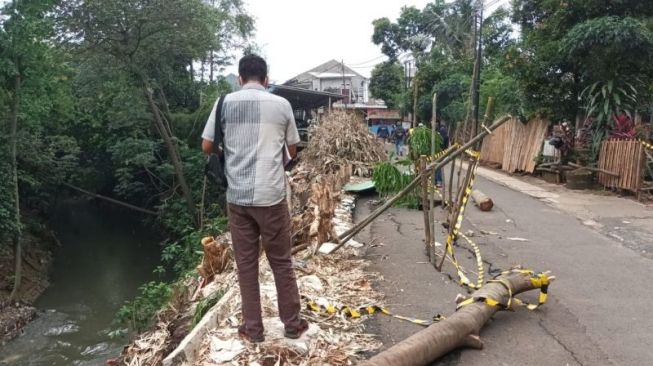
(253, 68)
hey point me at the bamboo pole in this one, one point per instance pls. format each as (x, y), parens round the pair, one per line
(425, 205)
(591, 169)
(456, 211)
(431, 217)
(437, 164)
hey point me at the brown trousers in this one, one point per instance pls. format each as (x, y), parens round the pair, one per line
(272, 225)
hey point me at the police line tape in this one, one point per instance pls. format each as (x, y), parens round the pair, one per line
(366, 310)
(452, 237)
(538, 280)
(646, 144)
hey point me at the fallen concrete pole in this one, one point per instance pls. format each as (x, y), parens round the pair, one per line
(459, 330)
(482, 201)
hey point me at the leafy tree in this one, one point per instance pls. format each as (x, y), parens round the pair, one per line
(33, 83)
(562, 50)
(153, 43)
(603, 49)
(387, 83)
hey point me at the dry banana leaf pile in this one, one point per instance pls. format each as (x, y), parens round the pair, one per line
(342, 138)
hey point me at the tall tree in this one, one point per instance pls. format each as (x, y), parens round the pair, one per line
(25, 57)
(387, 83)
(152, 42)
(563, 44)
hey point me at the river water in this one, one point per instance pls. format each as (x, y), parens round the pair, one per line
(104, 257)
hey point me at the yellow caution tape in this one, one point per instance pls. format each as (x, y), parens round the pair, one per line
(442, 153)
(456, 232)
(539, 280)
(368, 310)
(646, 144)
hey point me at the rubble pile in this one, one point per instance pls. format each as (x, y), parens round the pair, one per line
(314, 200)
(342, 139)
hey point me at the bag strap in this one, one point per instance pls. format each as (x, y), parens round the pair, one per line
(218, 137)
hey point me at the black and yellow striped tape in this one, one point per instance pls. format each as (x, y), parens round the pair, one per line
(646, 144)
(355, 313)
(456, 232)
(538, 280)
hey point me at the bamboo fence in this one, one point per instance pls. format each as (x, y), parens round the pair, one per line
(623, 157)
(515, 146)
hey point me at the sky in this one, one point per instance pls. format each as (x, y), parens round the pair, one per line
(297, 35)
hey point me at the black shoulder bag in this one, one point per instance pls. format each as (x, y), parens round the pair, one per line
(214, 168)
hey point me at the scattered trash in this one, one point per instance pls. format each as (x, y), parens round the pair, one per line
(225, 350)
(485, 232)
(626, 222)
(469, 233)
(517, 239)
(592, 223)
(508, 220)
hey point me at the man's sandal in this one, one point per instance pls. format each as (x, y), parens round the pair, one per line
(246, 336)
(297, 332)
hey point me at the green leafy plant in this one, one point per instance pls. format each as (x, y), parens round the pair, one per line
(388, 180)
(604, 101)
(205, 305)
(138, 314)
(420, 143)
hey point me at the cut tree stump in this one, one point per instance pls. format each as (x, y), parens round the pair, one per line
(482, 201)
(460, 329)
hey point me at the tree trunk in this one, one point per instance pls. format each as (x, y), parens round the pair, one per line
(166, 110)
(459, 330)
(18, 273)
(172, 152)
(211, 66)
(112, 200)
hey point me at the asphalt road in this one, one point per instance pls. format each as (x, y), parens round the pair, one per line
(599, 309)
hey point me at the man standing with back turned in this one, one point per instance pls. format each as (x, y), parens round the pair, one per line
(256, 126)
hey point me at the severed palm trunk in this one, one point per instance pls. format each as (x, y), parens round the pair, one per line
(459, 330)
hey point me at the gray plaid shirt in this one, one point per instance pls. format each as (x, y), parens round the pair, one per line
(256, 126)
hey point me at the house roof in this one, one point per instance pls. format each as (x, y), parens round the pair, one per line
(332, 66)
(330, 75)
(301, 98)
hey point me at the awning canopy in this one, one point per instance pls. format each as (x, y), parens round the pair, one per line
(301, 98)
(384, 114)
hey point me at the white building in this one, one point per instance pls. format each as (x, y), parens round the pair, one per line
(330, 77)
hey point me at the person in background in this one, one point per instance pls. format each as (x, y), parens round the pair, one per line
(444, 134)
(256, 126)
(383, 133)
(398, 136)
